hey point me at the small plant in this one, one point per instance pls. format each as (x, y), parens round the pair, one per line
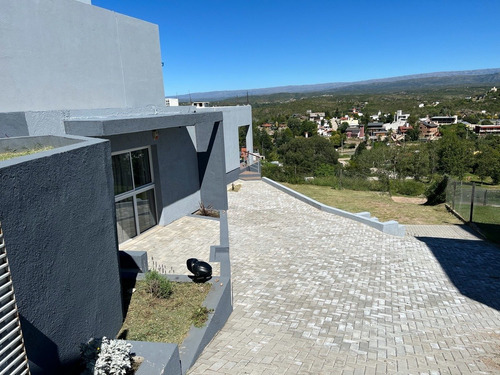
(105, 357)
(200, 316)
(158, 285)
(207, 210)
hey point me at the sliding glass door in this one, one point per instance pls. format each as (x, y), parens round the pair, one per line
(134, 193)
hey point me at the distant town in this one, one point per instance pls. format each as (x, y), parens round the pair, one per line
(398, 126)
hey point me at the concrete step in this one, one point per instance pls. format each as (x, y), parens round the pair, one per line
(248, 176)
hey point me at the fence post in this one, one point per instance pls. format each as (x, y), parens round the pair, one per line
(472, 201)
(454, 193)
(484, 200)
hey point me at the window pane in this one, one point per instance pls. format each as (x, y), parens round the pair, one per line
(122, 174)
(125, 219)
(142, 170)
(146, 210)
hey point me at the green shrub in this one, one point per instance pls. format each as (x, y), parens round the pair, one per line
(436, 192)
(407, 187)
(158, 285)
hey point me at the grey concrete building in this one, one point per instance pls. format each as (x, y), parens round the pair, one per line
(73, 71)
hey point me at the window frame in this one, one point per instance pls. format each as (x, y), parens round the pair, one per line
(136, 191)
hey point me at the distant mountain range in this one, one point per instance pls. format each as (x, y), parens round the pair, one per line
(409, 82)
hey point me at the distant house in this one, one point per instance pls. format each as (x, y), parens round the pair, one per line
(171, 102)
(444, 120)
(376, 130)
(200, 104)
(401, 117)
(428, 130)
(267, 127)
(316, 117)
(404, 129)
(487, 129)
(355, 132)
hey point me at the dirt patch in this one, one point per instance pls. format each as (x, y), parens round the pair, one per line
(493, 361)
(409, 200)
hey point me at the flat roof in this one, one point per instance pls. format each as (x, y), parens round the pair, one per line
(115, 125)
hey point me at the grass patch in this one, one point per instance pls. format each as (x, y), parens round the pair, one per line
(378, 204)
(16, 153)
(164, 320)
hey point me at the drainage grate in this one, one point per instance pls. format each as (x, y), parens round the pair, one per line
(13, 359)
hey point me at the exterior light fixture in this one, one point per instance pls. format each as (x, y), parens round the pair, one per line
(202, 270)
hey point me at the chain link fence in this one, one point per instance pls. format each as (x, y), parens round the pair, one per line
(475, 204)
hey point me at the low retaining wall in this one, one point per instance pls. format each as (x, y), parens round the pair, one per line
(159, 358)
(390, 227)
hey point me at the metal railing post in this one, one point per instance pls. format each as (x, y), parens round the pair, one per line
(472, 202)
(454, 193)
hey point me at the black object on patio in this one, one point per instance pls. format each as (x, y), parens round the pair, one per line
(202, 270)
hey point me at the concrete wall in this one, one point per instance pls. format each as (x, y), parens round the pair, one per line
(188, 165)
(211, 165)
(175, 167)
(62, 54)
(234, 117)
(57, 213)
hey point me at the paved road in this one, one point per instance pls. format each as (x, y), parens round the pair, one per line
(319, 294)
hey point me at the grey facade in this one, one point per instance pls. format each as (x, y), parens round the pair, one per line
(57, 214)
(89, 82)
(65, 54)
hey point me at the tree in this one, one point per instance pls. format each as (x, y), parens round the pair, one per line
(282, 137)
(343, 127)
(412, 120)
(365, 119)
(488, 159)
(336, 139)
(455, 155)
(294, 125)
(308, 154)
(264, 142)
(413, 134)
(308, 127)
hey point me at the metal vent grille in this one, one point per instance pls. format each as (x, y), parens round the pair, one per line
(13, 359)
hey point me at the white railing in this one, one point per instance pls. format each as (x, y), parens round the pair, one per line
(13, 359)
(251, 162)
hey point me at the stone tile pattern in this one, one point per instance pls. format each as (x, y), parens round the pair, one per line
(315, 293)
(169, 247)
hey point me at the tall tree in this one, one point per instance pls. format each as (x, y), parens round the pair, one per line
(455, 155)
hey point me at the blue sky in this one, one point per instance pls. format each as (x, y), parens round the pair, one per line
(225, 45)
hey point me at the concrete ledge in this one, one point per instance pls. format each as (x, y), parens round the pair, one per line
(133, 263)
(218, 300)
(390, 227)
(159, 358)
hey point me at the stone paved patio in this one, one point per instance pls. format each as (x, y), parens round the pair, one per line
(315, 293)
(169, 247)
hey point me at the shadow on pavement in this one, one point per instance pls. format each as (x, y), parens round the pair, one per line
(472, 266)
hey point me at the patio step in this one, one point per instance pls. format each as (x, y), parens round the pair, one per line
(249, 176)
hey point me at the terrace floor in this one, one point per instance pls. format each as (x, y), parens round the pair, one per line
(169, 247)
(315, 293)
